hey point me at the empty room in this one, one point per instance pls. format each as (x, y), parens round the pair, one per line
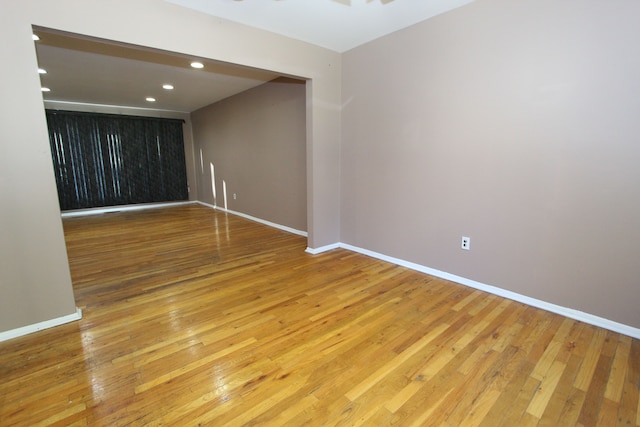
(338, 212)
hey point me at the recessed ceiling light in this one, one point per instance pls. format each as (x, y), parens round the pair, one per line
(35, 37)
(167, 87)
(197, 65)
(45, 89)
(150, 99)
(42, 71)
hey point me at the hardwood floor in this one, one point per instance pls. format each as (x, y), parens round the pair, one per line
(194, 317)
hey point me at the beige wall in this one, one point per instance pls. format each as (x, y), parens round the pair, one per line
(514, 123)
(34, 276)
(34, 273)
(256, 143)
(187, 129)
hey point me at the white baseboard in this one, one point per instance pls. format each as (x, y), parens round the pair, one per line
(109, 209)
(544, 305)
(253, 218)
(316, 251)
(25, 330)
(206, 204)
(554, 308)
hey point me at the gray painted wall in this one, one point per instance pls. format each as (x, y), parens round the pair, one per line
(256, 142)
(513, 123)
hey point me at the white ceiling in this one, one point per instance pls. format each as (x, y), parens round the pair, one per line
(89, 71)
(338, 25)
(96, 72)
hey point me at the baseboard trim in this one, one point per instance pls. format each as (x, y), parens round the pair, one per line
(544, 305)
(316, 251)
(29, 329)
(198, 202)
(261, 221)
(111, 209)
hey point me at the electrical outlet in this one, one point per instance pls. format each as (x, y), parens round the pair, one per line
(234, 196)
(466, 243)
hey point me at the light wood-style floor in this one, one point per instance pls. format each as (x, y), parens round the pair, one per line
(194, 317)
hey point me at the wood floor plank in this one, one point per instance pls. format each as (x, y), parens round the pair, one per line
(630, 398)
(193, 316)
(546, 389)
(384, 370)
(504, 405)
(588, 367)
(595, 393)
(618, 371)
(560, 396)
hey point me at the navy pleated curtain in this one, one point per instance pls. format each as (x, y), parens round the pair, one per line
(107, 160)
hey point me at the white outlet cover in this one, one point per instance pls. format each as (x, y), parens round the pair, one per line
(466, 243)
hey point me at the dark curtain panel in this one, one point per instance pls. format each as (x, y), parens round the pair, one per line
(107, 160)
